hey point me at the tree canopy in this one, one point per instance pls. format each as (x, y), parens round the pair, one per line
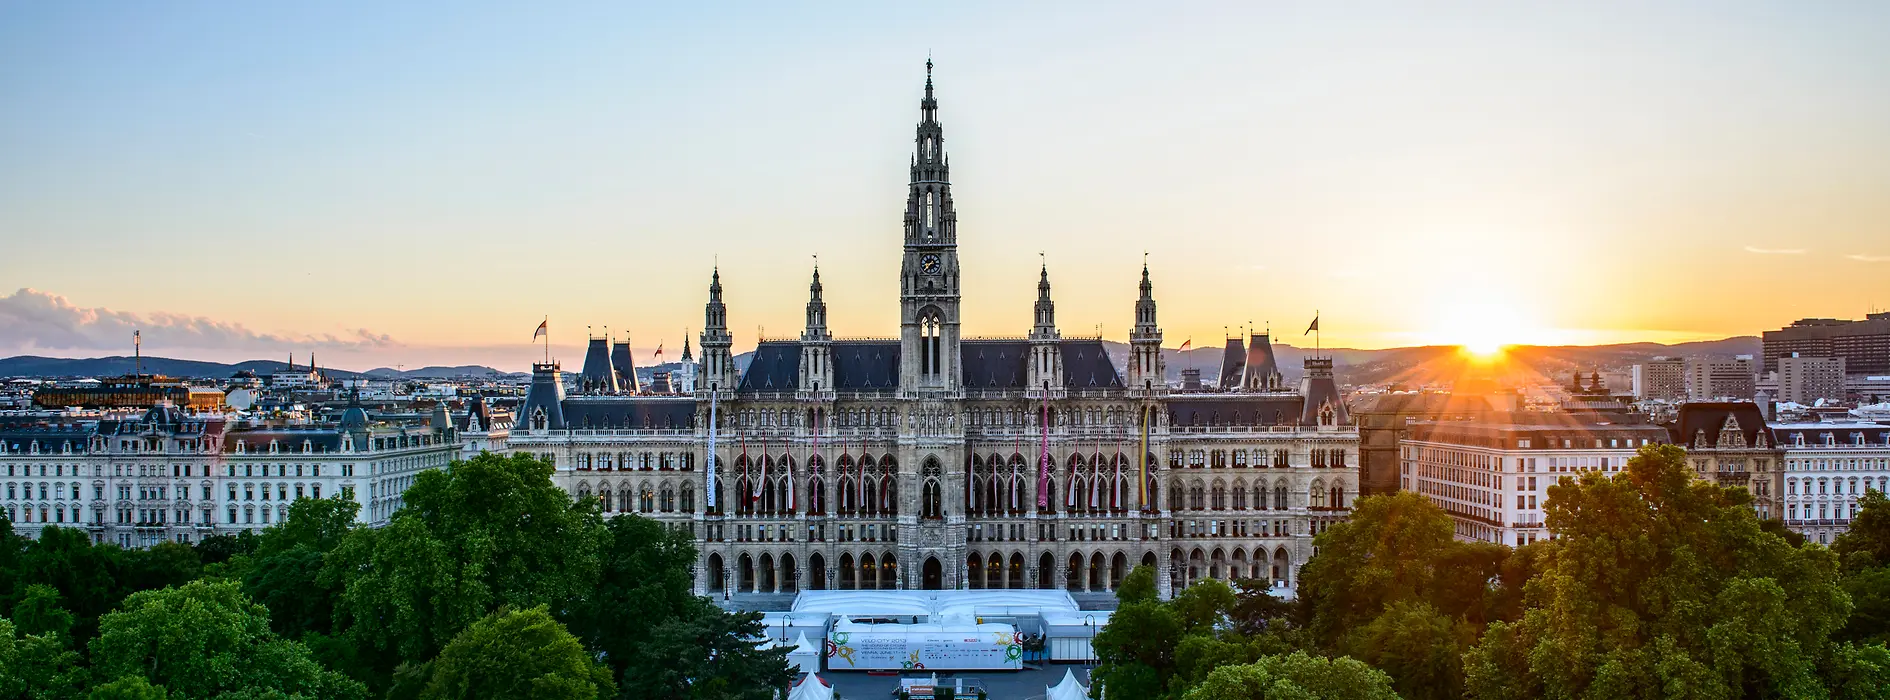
(1662, 585)
(517, 654)
(205, 639)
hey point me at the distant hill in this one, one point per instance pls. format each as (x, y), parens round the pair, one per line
(1424, 364)
(439, 372)
(35, 366)
(1414, 365)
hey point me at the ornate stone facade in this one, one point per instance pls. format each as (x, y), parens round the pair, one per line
(932, 460)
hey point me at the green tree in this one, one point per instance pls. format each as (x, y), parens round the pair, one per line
(1199, 654)
(1866, 543)
(1135, 653)
(284, 573)
(645, 581)
(707, 654)
(289, 584)
(1419, 647)
(129, 688)
(317, 523)
(12, 547)
(41, 667)
(1663, 585)
(1138, 586)
(220, 549)
(41, 612)
(1203, 605)
(84, 575)
(160, 565)
(517, 654)
(1870, 613)
(487, 532)
(204, 639)
(1295, 676)
(1397, 547)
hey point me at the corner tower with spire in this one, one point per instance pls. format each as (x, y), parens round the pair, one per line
(1045, 373)
(718, 363)
(816, 344)
(928, 272)
(1147, 370)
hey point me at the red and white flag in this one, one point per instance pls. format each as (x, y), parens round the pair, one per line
(1185, 345)
(543, 328)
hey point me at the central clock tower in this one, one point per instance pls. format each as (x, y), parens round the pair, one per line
(928, 273)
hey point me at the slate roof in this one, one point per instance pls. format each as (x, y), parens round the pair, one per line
(625, 368)
(865, 365)
(1233, 361)
(1235, 409)
(1086, 365)
(1845, 434)
(598, 375)
(1711, 417)
(630, 413)
(995, 364)
(776, 366)
(20, 438)
(1261, 363)
(287, 440)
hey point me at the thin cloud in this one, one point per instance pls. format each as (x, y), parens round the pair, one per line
(1863, 257)
(32, 320)
(1775, 251)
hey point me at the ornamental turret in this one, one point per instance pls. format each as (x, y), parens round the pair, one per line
(1148, 372)
(816, 343)
(718, 363)
(1046, 347)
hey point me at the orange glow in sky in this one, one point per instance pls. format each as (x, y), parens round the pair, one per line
(1483, 175)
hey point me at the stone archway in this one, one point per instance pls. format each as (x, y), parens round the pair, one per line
(933, 575)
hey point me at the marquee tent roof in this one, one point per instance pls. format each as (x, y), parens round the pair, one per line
(1068, 689)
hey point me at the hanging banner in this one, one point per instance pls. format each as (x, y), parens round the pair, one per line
(709, 473)
(1043, 455)
(1141, 479)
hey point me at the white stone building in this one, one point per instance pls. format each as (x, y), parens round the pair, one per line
(1828, 466)
(170, 475)
(1493, 475)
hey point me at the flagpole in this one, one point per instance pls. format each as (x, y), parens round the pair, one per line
(547, 324)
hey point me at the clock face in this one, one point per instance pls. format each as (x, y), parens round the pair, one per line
(930, 264)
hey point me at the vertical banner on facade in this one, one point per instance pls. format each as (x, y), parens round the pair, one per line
(1043, 455)
(1141, 476)
(709, 473)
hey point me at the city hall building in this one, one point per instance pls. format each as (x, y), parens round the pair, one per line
(932, 460)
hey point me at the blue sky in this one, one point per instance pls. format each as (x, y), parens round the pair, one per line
(422, 182)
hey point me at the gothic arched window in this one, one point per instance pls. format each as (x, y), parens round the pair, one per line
(932, 496)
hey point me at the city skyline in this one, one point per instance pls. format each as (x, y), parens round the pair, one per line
(428, 196)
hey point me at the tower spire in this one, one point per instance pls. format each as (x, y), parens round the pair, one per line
(929, 274)
(1148, 372)
(1046, 315)
(816, 311)
(718, 365)
(816, 375)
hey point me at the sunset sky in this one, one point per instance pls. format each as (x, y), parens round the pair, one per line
(422, 184)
